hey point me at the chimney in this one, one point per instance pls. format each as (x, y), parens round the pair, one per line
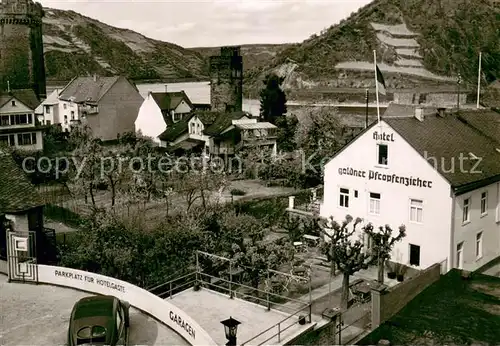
(441, 112)
(419, 113)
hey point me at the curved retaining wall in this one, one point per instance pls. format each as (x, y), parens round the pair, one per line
(139, 298)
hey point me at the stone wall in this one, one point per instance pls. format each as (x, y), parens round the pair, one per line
(388, 302)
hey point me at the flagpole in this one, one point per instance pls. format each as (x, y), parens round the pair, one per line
(479, 80)
(376, 82)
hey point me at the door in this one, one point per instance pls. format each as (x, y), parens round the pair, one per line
(414, 255)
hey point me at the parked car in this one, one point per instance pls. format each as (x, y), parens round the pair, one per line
(99, 320)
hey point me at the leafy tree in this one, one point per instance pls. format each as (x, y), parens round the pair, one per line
(85, 171)
(319, 136)
(287, 127)
(382, 244)
(256, 256)
(348, 255)
(272, 99)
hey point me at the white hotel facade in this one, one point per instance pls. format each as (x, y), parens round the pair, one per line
(439, 176)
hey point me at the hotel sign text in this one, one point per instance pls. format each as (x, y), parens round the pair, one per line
(390, 178)
(388, 137)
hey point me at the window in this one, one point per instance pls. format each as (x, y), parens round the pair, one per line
(13, 103)
(4, 140)
(65, 105)
(466, 211)
(374, 203)
(382, 154)
(479, 245)
(414, 255)
(12, 140)
(47, 122)
(47, 109)
(460, 257)
(344, 198)
(416, 210)
(118, 320)
(26, 138)
(5, 120)
(177, 116)
(72, 115)
(484, 203)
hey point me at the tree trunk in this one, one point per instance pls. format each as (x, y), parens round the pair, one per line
(381, 270)
(202, 193)
(344, 304)
(92, 195)
(113, 192)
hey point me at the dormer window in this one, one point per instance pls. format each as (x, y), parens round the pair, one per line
(176, 116)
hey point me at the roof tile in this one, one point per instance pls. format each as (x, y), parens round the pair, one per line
(16, 191)
(87, 89)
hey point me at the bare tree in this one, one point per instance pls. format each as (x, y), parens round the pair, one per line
(348, 255)
(382, 244)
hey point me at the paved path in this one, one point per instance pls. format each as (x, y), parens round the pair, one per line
(39, 315)
(352, 330)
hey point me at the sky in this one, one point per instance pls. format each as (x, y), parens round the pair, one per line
(205, 23)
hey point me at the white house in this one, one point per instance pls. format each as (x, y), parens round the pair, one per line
(53, 111)
(437, 175)
(161, 110)
(18, 127)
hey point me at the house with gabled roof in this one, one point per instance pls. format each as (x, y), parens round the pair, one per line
(18, 124)
(21, 209)
(109, 105)
(219, 133)
(161, 110)
(439, 175)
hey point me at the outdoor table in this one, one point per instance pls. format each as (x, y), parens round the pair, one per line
(311, 239)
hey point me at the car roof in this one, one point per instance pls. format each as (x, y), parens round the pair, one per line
(95, 311)
(94, 306)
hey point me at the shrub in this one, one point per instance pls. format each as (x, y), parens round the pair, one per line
(238, 192)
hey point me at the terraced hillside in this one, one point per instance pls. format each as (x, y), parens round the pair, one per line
(78, 45)
(418, 43)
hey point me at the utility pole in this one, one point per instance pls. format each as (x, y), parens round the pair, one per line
(366, 116)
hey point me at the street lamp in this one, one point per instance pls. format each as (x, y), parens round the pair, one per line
(231, 328)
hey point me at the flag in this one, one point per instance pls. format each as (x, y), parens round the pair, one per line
(380, 81)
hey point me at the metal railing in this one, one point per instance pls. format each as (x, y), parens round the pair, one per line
(233, 289)
(276, 329)
(280, 328)
(172, 287)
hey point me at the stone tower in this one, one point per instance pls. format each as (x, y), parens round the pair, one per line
(226, 80)
(22, 64)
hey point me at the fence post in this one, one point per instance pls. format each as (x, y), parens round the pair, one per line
(269, 285)
(197, 268)
(377, 314)
(231, 279)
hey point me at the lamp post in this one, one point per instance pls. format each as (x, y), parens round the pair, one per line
(230, 329)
